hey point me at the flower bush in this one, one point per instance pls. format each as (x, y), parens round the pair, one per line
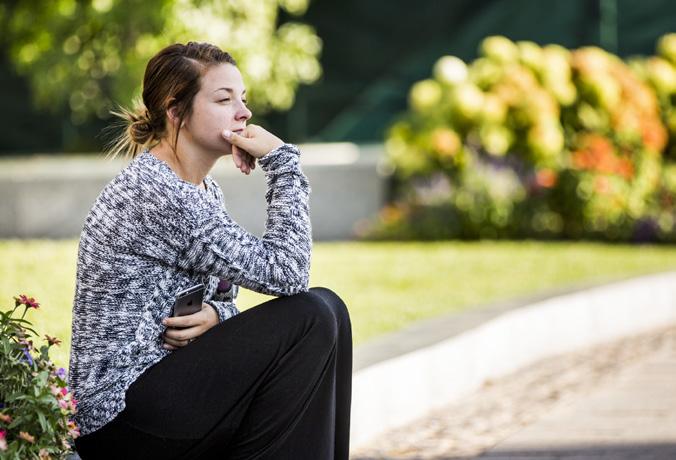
(536, 141)
(36, 407)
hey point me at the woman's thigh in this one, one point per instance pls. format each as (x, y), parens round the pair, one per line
(212, 381)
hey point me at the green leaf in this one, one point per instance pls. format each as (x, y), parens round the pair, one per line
(43, 421)
(86, 62)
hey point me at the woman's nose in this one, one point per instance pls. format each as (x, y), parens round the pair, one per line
(243, 113)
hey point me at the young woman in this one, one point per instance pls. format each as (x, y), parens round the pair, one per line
(272, 382)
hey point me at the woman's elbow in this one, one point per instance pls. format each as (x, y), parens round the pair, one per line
(294, 284)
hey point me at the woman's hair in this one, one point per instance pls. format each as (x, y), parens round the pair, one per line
(171, 80)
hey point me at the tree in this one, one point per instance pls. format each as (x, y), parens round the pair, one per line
(90, 55)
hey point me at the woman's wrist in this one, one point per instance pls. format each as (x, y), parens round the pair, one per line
(284, 155)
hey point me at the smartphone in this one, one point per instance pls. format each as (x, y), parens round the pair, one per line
(189, 300)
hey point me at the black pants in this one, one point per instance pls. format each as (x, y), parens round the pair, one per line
(273, 382)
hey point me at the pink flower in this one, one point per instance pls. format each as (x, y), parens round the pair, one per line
(63, 404)
(2, 434)
(64, 391)
(7, 419)
(56, 391)
(73, 429)
(3, 443)
(29, 302)
(44, 455)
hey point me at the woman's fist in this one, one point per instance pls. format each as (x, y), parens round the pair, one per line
(254, 140)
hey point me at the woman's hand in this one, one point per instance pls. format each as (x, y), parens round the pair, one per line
(245, 162)
(254, 142)
(193, 326)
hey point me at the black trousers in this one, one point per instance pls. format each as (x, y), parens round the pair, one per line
(273, 382)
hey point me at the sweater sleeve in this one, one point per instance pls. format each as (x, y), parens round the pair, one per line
(278, 263)
(225, 309)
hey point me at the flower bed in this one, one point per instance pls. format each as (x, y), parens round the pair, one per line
(35, 404)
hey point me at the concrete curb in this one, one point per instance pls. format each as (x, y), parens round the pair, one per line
(454, 355)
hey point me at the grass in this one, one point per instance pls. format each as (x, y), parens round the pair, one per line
(385, 285)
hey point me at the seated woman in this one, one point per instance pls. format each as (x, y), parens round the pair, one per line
(272, 382)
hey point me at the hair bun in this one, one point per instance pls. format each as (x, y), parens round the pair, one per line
(141, 127)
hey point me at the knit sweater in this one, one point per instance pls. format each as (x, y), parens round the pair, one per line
(150, 234)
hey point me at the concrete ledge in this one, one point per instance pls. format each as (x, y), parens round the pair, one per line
(48, 196)
(405, 375)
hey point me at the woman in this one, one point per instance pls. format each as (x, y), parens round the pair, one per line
(272, 382)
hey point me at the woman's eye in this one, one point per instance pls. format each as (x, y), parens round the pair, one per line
(244, 101)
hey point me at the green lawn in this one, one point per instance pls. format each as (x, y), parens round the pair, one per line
(385, 285)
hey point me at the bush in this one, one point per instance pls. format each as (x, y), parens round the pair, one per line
(531, 141)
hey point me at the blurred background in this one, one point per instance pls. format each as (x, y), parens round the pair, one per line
(431, 131)
(359, 59)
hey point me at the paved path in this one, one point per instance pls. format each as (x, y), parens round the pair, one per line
(616, 401)
(630, 417)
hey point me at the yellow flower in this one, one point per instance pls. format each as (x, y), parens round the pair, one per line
(450, 70)
(425, 95)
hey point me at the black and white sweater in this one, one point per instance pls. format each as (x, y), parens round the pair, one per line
(150, 234)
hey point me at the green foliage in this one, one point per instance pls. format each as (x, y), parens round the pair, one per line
(91, 55)
(531, 141)
(35, 405)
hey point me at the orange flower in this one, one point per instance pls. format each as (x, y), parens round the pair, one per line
(52, 340)
(546, 178)
(391, 213)
(625, 168)
(446, 142)
(597, 153)
(654, 135)
(27, 437)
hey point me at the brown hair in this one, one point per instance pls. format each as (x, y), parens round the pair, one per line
(172, 78)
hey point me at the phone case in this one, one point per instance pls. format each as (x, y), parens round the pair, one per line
(189, 300)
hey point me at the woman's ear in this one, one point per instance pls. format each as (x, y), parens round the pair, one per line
(172, 115)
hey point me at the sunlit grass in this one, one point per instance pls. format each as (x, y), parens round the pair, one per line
(385, 285)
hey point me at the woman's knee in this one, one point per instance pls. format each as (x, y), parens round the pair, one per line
(333, 302)
(310, 305)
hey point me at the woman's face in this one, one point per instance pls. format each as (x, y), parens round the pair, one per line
(219, 104)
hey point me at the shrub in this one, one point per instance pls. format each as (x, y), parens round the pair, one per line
(531, 141)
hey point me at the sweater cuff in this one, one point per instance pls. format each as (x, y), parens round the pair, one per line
(286, 156)
(224, 309)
